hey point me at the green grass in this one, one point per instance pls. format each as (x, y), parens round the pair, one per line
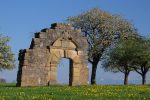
(96, 92)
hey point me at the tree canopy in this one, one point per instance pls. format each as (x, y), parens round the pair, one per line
(141, 58)
(120, 58)
(100, 28)
(132, 54)
(6, 55)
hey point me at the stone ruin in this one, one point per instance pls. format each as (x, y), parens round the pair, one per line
(38, 64)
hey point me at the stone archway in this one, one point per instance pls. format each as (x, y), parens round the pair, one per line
(38, 64)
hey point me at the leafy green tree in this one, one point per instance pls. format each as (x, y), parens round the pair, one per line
(141, 58)
(6, 55)
(121, 58)
(100, 28)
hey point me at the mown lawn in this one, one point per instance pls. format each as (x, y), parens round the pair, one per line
(96, 92)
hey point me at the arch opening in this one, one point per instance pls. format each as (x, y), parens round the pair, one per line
(65, 71)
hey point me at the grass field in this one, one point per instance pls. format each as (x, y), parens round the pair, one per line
(96, 92)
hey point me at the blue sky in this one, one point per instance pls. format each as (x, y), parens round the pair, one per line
(19, 19)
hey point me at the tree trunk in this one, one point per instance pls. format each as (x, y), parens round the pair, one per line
(93, 75)
(126, 78)
(143, 79)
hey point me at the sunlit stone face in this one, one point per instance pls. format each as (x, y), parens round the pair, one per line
(38, 65)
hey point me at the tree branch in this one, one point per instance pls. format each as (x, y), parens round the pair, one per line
(120, 70)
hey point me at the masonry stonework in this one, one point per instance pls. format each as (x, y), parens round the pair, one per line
(38, 64)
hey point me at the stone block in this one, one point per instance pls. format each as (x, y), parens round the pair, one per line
(76, 78)
(25, 63)
(77, 59)
(76, 70)
(53, 69)
(71, 54)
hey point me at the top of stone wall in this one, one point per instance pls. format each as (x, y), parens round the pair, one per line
(48, 35)
(61, 26)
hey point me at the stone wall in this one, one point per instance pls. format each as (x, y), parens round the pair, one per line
(38, 64)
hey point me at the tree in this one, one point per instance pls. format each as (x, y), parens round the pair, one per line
(121, 58)
(2, 80)
(100, 28)
(141, 60)
(6, 55)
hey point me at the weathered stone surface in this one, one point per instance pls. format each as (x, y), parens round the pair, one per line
(38, 64)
